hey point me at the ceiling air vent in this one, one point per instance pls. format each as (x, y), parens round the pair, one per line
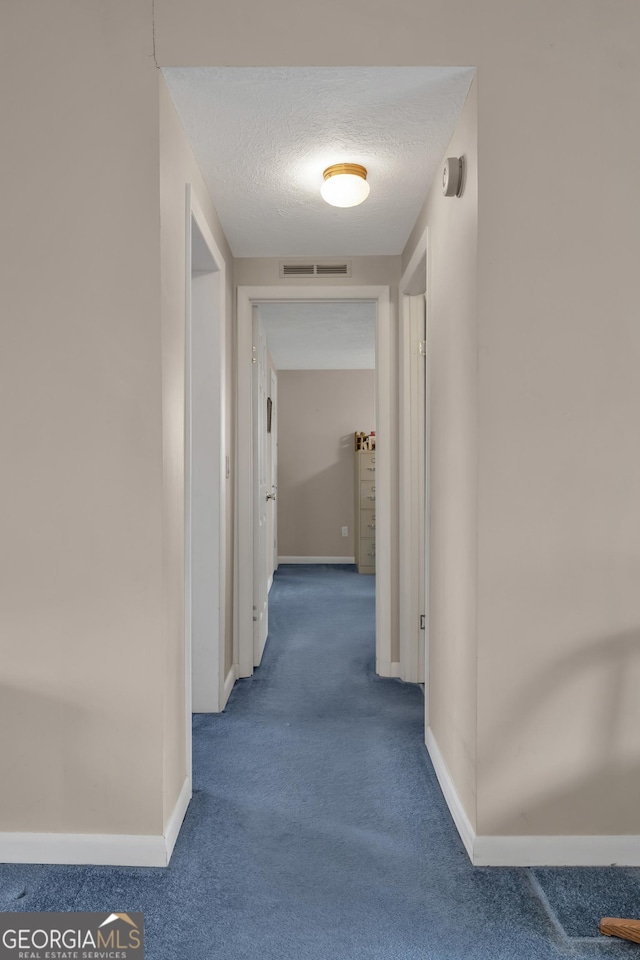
(315, 269)
(297, 270)
(333, 270)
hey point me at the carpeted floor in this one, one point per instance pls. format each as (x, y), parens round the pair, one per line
(317, 828)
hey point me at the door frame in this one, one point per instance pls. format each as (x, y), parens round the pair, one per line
(260, 381)
(273, 479)
(246, 297)
(217, 412)
(415, 496)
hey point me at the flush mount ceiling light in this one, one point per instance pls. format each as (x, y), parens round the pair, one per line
(345, 185)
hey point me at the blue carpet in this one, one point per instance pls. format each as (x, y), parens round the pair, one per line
(580, 896)
(317, 828)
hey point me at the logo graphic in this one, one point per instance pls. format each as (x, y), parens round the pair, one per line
(71, 936)
(119, 916)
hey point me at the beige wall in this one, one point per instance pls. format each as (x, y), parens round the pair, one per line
(318, 411)
(452, 375)
(82, 614)
(373, 271)
(558, 525)
(81, 611)
(559, 468)
(177, 168)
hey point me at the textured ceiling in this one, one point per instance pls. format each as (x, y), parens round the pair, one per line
(321, 336)
(262, 137)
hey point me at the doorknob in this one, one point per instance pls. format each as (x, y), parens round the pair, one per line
(271, 496)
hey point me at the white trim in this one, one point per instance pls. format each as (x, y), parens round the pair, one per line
(530, 851)
(448, 787)
(317, 559)
(385, 430)
(243, 581)
(563, 851)
(384, 668)
(108, 849)
(172, 828)
(385, 354)
(112, 850)
(427, 490)
(269, 583)
(188, 665)
(229, 681)
(411, 445)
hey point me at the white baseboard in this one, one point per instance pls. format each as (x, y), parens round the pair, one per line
(562, 851)
(530, 851)
(269, 583)
(384, 668)
(457, 811)
(316, 559)
(172, 827)
(112, 850)
(228, 686)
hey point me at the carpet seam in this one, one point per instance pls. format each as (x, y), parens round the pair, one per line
(595, 941)
(541, 896)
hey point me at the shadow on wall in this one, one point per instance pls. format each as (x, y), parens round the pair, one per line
(600, 685)
(53, 751)
(346, 443)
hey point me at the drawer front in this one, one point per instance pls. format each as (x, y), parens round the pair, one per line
(367, 466)
(367, 553)
(367, 523)
(367, 493)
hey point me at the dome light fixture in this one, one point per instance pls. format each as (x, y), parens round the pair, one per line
(345, 185)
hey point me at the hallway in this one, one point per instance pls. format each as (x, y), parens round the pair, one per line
(317, 829)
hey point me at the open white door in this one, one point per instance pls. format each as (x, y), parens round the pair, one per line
(261, 492)
(419, 386)
(273, 507)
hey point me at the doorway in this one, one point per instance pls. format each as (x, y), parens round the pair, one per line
(247, 589)
(205, 499)
(414, 470)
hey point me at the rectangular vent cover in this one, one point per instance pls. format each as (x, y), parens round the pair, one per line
(301, 269)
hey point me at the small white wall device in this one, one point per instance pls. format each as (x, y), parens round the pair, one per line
(453, 177)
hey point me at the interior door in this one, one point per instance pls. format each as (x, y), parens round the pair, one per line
(260, 486)
(274, 472)
(423, 526)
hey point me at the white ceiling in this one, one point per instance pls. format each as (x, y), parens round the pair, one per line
(262, 137)
(321, 335)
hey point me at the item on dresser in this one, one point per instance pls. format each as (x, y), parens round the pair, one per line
(365, 441)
